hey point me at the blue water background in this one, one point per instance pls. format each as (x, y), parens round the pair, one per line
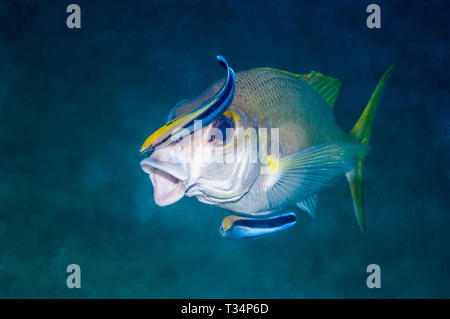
(76, 105)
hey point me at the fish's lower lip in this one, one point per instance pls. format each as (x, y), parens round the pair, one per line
(167, 189)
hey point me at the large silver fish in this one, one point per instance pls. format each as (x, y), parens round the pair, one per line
(308, 148)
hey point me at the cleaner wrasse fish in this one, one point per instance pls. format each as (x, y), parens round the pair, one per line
(243, 227)
(206, 112)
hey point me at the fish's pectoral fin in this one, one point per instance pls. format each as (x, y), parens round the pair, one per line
(306, 172)
(309, 205)
(246, 227)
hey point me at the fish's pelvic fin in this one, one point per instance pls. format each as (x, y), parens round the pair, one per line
(361, 132)
(309, 205)
(306, 172)
(326, 86)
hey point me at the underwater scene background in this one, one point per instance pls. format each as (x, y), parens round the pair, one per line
(77, 104)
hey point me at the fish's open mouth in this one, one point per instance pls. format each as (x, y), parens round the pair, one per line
(167, 179)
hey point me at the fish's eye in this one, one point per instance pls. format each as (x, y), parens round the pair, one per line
(224, 230)
(220, 126)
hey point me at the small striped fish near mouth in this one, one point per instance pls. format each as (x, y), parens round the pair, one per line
(243, 227)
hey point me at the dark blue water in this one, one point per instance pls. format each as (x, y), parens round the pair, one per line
(76, 105)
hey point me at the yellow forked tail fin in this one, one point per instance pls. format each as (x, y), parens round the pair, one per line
(361, 132)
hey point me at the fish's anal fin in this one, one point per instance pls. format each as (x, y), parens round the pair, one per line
(309, 205)
(361, 133)
(306, 172)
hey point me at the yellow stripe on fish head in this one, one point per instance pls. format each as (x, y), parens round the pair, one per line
(163, 133)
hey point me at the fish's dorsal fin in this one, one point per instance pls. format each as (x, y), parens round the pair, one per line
(326, 86)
